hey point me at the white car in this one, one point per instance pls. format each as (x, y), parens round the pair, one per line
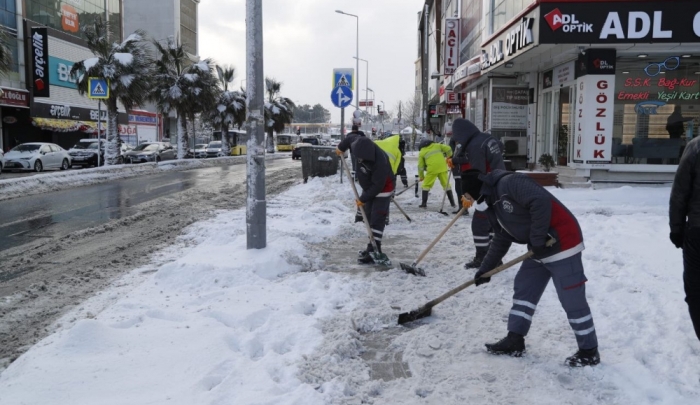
(37, 156)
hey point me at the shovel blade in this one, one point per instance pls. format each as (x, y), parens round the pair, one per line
(443, 213)
(419, 313)
(412, 269)
(380, 259)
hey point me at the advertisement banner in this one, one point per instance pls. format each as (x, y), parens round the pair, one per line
(40, 62)
(59, 73)
(620, 22)
(451, 53)
(509, 108)
(594, 121)
(14, 98)
(69, 18)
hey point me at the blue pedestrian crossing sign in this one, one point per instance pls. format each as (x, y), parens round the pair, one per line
(341, 96)
(344, 78)
(98, 88)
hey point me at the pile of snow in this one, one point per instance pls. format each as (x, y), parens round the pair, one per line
(289, 324)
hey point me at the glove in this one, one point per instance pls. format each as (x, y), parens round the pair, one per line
(677, 239)
(339, 152)
(420, 179)
(466, 202)
(359, 203)
(540, 251)
(449, 163)
(478, 280)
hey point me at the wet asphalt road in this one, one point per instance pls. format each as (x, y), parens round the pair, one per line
(55, 214)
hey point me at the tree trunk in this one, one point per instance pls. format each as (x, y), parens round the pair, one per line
(225, 146)
(112, 150)
(271, 141)
(181, 136)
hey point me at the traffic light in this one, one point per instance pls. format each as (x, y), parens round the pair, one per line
(379, 109)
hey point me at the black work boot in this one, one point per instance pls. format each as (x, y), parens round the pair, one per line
(364, 257)
(583, 358)
(512, 345)
(476, 261)
(451, 198)
(424, 204)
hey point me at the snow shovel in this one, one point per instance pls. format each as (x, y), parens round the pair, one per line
(379, 258)
(444, 195)
(426, 310)
(400, 209)
(413, 267)
(405, 189)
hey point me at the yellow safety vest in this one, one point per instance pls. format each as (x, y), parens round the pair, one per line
(390, 146)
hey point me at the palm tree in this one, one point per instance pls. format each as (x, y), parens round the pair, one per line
(182, 86)
(230, 108)
(127, 67)
(279, 111)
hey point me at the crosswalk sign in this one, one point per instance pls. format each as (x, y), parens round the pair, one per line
(98, 88)
(344, 78)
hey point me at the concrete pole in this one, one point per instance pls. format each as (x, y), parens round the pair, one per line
(256, 206)
(342, 137)
(425, 66)
(357, 66)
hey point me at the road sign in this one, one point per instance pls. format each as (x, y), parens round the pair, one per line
(366, 103)
(344, 78)
(341, 96)
(98, 88)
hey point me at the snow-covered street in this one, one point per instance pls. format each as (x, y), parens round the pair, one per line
(292, 324)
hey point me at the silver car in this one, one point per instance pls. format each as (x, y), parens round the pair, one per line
(37, 156)
(214, 149)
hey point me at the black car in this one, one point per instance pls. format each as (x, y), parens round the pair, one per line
(151, 152)
(84, 153)
(311, 140)
(296, 152)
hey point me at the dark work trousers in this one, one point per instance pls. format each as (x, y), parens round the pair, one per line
(377, 210)
(402, 172)
(481, 228)
(691, 275)
(569, 281)
(354, 164)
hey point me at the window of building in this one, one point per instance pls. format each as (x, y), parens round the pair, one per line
(500, 12)
(8, 14)
(657, 108)
(70, 16)
(188, 25)
(471, 29)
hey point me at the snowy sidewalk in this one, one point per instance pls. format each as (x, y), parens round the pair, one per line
(301, 323)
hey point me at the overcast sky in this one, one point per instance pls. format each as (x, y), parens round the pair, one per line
(304, 40)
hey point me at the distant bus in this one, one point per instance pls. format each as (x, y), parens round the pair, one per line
(285, 142)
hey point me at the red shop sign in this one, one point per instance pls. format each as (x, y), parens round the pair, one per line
(15, 98)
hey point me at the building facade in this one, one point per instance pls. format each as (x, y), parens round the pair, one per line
(609, 89)
(162, 19)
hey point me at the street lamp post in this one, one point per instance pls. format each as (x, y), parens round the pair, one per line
(371, 112)
(366, 80)
(357, 56)
(383, 112)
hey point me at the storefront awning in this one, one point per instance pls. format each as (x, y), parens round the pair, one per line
(50, 124)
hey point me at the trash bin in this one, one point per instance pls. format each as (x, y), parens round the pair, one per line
(318, 161)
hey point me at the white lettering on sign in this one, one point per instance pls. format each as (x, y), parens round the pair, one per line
(495, 56)
(520, 36)
(696, 24)
(451, 45)
(38, 42)
(613, 26)
(63, 71)
(59, 111)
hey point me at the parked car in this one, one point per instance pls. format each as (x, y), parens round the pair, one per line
(2, 161)
(296, 152)
(84, 153)
(214, 149)
(37, 156)
(311, 140)
(199, 151)
(150, 152)
(125, 147)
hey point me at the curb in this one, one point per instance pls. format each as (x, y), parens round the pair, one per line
(42, 183)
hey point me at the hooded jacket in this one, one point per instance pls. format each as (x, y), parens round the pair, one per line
(431, 157)
(373, 169)
(475, 150)
(684, 207)
(521, 211)
(390, 146)
(350, 138)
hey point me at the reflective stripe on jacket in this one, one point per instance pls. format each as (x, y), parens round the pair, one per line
(432, 158)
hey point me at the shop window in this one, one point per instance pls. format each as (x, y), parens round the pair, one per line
(657, 109)
(70, 16)
(8, 14)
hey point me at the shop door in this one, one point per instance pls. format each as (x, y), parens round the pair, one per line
(562, 126)
(545, 146)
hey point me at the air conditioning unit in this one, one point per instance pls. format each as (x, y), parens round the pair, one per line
(515, 146)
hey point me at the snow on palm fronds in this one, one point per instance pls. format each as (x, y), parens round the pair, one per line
(230, 109)
(182, 86)
(279, 111)
(128, 68)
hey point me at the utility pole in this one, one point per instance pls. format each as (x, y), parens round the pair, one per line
(256, 206)
(425, 65)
